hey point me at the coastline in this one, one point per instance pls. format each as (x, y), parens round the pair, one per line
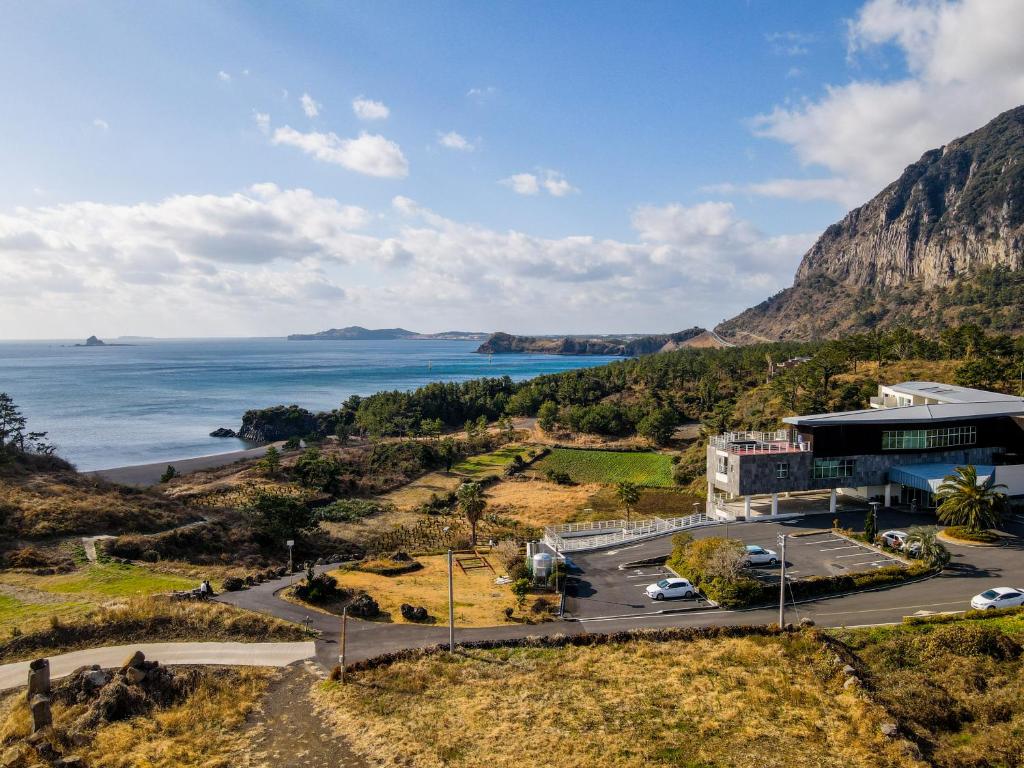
(143, 475)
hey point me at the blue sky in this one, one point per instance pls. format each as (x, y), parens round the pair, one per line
(206, 169)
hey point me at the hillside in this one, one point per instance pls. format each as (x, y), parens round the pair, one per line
(628, 346)
(944, 242)
(358, 333)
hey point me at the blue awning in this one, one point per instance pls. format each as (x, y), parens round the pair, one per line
(928, 477)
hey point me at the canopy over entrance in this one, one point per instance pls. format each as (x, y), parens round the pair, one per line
(928, 477)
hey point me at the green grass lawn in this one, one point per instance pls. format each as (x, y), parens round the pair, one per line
(114, 580)
(492, 463)
(653, 470)
(654, 502)
(25, 615)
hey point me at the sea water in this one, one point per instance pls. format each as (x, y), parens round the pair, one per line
(158, 400)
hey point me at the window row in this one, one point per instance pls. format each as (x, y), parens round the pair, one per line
(928, 438)
(828, 469)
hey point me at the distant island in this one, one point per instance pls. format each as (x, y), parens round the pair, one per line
(94, 341)
(625, 346)
(358, 333)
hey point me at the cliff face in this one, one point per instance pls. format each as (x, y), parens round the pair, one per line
(505, 343)
(956, 212)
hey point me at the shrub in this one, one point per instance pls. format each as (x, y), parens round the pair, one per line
(508, 553)
(518, 570)
(351, 510)
(232, 584)
(558, 477)
(319, 589)
(973, 640)
(520, 589)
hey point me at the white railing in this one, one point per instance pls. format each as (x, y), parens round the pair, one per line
(780, 441)
(786, 447)
(727, 438)
(593, 525)
(617, 532)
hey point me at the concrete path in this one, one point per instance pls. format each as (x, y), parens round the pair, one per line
(226, 654)
(89, 543)
(149, 474)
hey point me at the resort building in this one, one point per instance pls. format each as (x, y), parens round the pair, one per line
(896, 452)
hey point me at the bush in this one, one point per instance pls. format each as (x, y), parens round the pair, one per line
(518, 570)
(508, 553)
(319, 590)
(558, 477)
(351, 510)
(972, 640)
(232, 584)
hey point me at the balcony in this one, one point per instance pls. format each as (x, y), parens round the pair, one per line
(753, 443)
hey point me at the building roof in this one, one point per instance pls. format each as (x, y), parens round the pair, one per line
(913, 414)
(949, 393)
(928, 477)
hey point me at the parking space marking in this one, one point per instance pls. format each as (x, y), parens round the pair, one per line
(848, 546)
(868, 553)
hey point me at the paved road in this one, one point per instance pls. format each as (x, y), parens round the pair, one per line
(227, 654)
(613, 600)
(143, 475)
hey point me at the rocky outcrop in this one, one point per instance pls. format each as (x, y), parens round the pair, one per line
(505, 343)
(955, 213)
(223, 432)
(278, 423)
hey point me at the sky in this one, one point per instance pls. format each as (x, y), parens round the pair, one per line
(251, 169)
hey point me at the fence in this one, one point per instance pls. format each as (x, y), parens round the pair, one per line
(579, 537)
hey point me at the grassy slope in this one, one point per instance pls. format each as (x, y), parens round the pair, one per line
(648, 469)
(723, 702)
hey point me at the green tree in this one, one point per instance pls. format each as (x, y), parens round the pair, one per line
(318, 470)
(629, 495)
(472, 505)
(448, 453)
(870, 525)
(431, 428)
(520, 589)
(276, 517)
(658, 425)
(12, 425)
(966, 502)
(547, 416)
(169, 474)
(922, 540)
(270, 464)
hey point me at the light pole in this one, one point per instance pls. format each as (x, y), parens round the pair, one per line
(290, 543)
(782, 581)
(451, 605)
(344, 633)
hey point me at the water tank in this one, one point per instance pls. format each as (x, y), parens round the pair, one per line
(542, 563)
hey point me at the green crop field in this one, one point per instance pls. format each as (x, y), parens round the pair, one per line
(493, 463)
(653, 470)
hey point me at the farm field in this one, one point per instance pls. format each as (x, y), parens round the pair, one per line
(609, 467)
(493, 463)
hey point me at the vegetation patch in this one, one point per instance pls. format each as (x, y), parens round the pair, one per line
(495, 462)
(963, 533)
(149, 619)
(610, 467)
(767, 701)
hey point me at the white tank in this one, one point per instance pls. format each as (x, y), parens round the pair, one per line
(542, 563)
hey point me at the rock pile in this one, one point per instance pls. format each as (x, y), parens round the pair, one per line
(413, 612)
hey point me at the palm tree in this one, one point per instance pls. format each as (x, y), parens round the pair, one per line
(629, 495)
(922, 541)
(968, 503)
(472, 505)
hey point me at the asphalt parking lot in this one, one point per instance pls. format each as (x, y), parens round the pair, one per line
(820, 554)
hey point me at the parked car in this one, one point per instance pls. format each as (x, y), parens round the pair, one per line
(674, 587)
(756, 555)
(894, 539)
(998, 597)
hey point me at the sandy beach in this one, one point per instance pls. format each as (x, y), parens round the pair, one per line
(149, 474)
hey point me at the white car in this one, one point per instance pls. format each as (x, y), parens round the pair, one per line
(755, 555)
(998, 597)
(674, 587)
(894, 539)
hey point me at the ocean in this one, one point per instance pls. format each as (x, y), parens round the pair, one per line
(158, 400)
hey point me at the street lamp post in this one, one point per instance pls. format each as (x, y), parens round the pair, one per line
(782, 580)
(291, 568)
(451, 605)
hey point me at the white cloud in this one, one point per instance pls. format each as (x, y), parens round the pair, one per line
(101, 125)
(453, 140)
(790, 43)
(553, 182)
(262, 121)
(223, 76)
(368, 109)
(965, 65)
(482, 94)
(310, 105)
(369, 154)
(266, 260)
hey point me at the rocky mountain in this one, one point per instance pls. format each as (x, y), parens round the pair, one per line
(628, 346)
(934, 247)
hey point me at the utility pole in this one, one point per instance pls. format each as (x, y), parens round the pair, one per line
(344, 633)
(782, 581)
(290, 543)
(451, 605)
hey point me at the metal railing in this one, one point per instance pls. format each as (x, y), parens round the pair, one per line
(617, 532)
(780, 441)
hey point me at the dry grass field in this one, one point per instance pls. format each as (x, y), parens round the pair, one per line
(479, 602)
(203, 730)
(725, 702)
(537, 502)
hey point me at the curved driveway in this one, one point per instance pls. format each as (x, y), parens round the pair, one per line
(972, 570)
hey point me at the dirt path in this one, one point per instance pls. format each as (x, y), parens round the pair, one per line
(285, 731)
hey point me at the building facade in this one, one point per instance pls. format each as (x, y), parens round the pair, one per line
(898, 451)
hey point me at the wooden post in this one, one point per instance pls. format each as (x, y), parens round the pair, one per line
(344, 633)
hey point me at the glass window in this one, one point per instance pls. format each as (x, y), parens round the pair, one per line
(782, 470)
(723, 465)
(921, 439)
(829, 469)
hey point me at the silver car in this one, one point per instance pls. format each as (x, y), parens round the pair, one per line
(668, 588)
(755, 555)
